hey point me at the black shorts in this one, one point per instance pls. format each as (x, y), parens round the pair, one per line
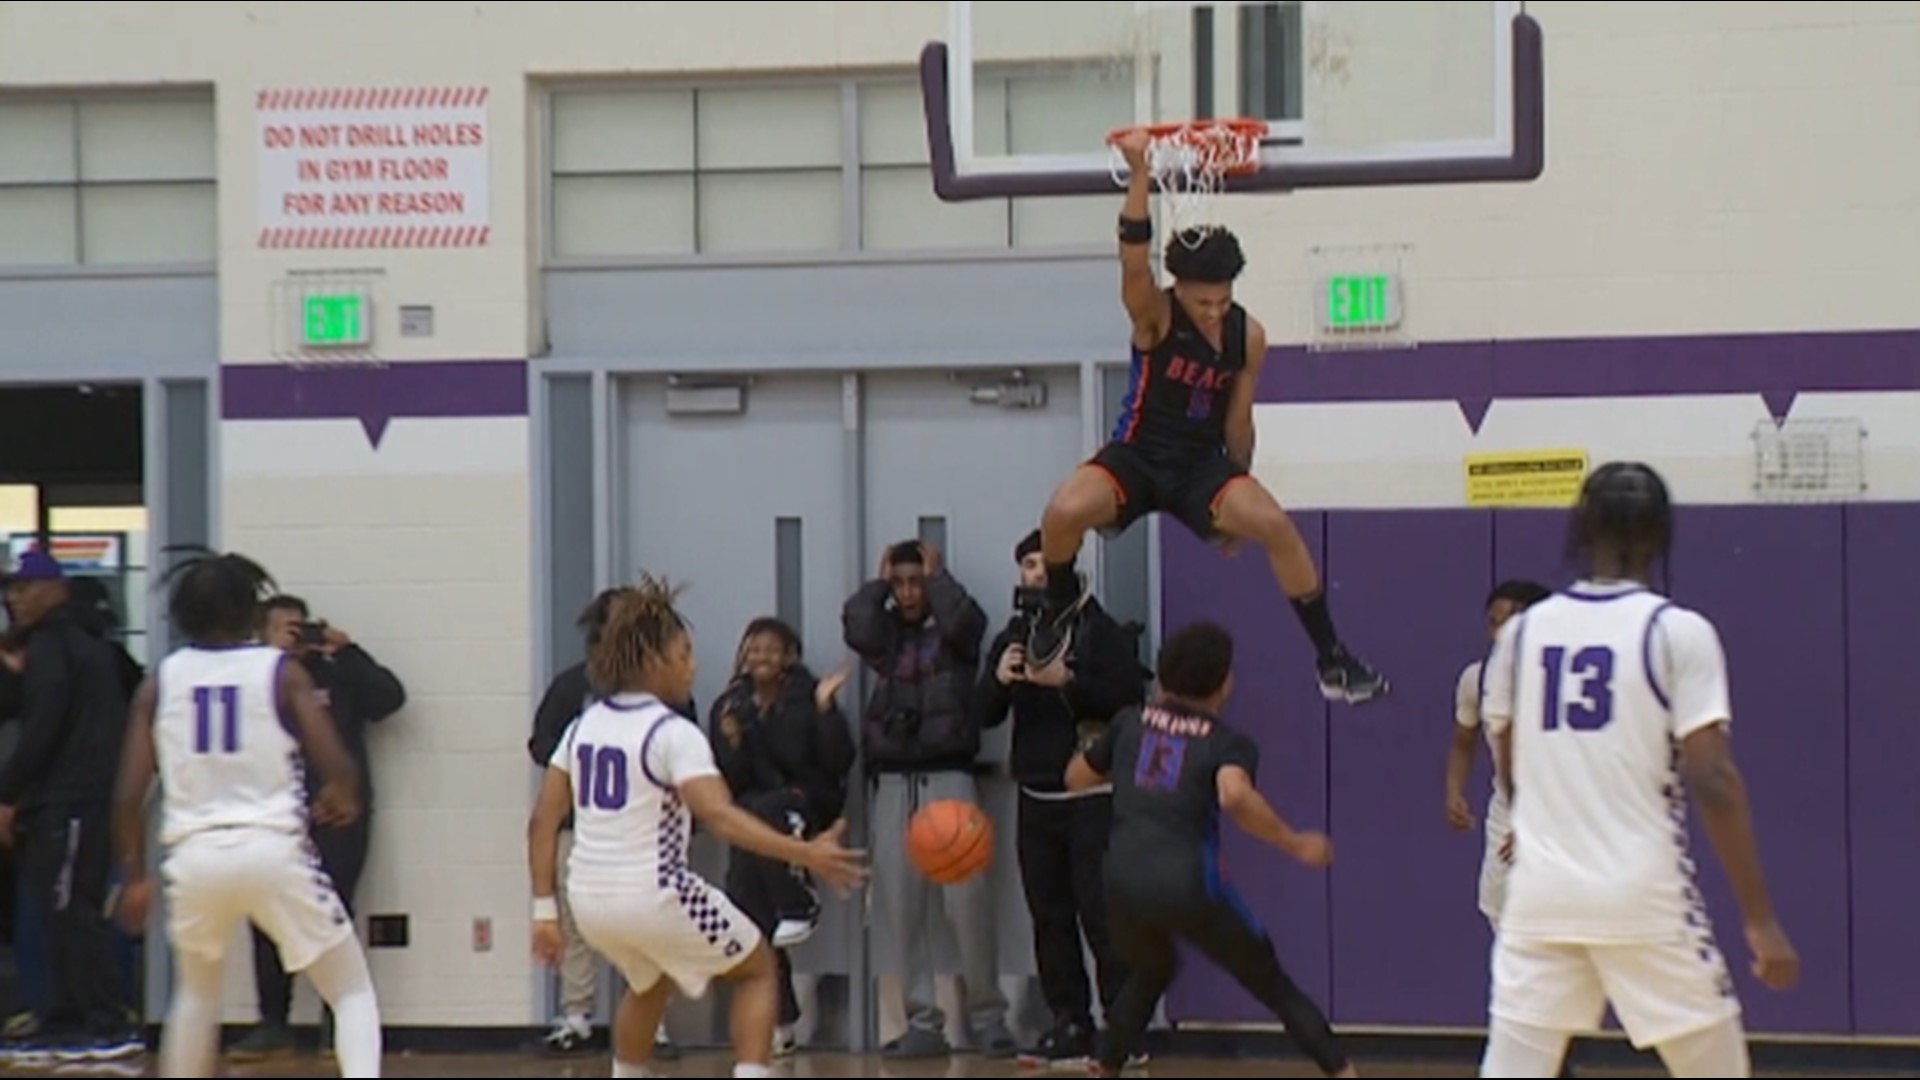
(1183, 486)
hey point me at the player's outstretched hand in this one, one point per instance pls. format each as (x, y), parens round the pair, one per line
(1775, 963)
(840, 867)
(1314, 849)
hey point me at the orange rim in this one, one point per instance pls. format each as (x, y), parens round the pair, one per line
(1234, 141)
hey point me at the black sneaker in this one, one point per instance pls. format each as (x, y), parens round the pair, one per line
(1051, 633)
(1345, 677)
(1067, 1046)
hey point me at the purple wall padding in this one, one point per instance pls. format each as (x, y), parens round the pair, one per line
(1276, 701)
(1409, 944)
(1883, 751)
(1407, 947)
(1772, 580)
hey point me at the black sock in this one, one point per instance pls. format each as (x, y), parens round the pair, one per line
(1063, 583)
(1319, 623)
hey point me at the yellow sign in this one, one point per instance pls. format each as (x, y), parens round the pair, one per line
(1530, 478)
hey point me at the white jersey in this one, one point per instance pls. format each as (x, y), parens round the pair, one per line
(1599, 685)
(1467, 692)
(226, 758)
(627, 757)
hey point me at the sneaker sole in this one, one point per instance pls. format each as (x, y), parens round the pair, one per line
(1349, 697)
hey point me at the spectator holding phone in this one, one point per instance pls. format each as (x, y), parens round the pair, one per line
(358, 691)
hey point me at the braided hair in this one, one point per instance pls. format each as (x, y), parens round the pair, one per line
(639, 623)
(1623, 523)
(215, 597)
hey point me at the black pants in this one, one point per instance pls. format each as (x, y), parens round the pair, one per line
(66, 859)
(1063, 847)
(1145, 929)
(343, 855)
(766, 889)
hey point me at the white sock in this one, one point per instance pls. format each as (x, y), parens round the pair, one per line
(342, 980)
(621, 1068)
(752, 1070)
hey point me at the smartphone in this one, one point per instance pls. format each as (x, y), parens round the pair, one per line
(311, 633)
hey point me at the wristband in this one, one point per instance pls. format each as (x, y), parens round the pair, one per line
(546, 909)
(1136, 230)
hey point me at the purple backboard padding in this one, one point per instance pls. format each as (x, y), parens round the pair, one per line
(1817, 607)
(1277, 702)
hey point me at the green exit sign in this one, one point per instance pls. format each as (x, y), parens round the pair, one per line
(332, 320)
(1361, 302)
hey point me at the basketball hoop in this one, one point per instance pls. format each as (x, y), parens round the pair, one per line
(1190, 163)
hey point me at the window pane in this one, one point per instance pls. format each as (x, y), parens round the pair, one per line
(622, 215)
(1067, 113)
(148, 223)
(759, 213)
(36, 143)
(604, 131)
(37, 227)
(899, 211)
(989, 116)
(1069, 221)
(893, 124)
(147, 140)
(788, 127)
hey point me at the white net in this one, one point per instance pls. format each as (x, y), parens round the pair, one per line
(1190, 164)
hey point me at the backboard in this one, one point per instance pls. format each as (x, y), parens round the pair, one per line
(1022, 95)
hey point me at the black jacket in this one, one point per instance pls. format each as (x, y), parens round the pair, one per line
(567, 696)
(358, 692)
(74, 696)
(790, 747)
(919, 717)
(1106, 676)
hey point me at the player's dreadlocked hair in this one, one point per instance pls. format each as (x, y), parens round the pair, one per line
(1624, 513)
(640, 622)
(216, 597)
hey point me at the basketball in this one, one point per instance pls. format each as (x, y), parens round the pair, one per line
(950, 841)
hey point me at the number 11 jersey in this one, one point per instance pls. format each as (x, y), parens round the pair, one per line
(1599, 685)
(226, 756)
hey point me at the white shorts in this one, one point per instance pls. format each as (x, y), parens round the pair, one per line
(692, 935)
(218, 881)
(1659, 991)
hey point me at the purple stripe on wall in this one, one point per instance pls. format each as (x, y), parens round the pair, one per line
(374, 395)
(1475, 374)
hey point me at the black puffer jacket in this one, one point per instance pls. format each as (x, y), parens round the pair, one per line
(790, 746)
(919, 717)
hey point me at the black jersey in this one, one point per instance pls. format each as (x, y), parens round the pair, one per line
(1178, 391)
(1165, 761)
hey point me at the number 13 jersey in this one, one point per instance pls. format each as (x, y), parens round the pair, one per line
(1599, 686)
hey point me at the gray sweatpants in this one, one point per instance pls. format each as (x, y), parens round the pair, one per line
(905, 907)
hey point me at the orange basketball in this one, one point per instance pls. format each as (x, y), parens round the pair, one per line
(950, 841)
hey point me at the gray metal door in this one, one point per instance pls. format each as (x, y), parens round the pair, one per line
(752, 512)
(973, 477)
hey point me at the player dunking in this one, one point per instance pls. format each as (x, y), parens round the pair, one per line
(1603, 702)
(1174, 767)
(227, 721)
(1184, 441)
(630, 769)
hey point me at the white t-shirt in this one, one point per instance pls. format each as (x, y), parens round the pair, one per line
(1466, 713)
(227, 758)
(1599, 685)
(627, 757)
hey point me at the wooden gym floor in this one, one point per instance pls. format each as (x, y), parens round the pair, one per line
(810, 1065)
